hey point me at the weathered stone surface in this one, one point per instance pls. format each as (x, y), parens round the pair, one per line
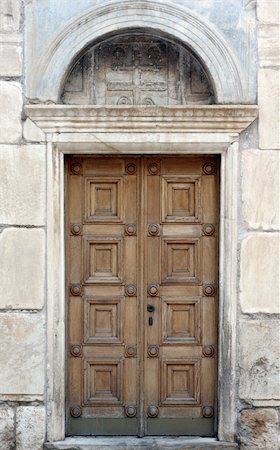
(9, 15)
(22, 268)
(259, 284)
(32, 133)
(269, 45)
(258, 429)
(22, 185)
(10, 55)
(134, 443)
(259, 360)
(268, 11)
(269, 118)
(7, 432)
(260, 189)
(22, 354)
(10, 112)
(30, 427)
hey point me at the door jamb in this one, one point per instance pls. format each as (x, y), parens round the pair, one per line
(55, 248)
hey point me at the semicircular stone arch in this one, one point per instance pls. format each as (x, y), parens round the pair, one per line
(161, 18)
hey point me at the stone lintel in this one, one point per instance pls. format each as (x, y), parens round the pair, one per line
(152, 119)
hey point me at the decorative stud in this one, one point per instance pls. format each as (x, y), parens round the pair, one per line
(152, 411)
(130, 351)
(130, 168)
(153, 351)
(209, 289)
(208, 168)
(76, 350)
(76, 411)
(130, 229)
(123, 100)
(76, 289)
(130, 290)
(153, 168)
(148, 101)
(208, 351)
(153, 229)
(76, 168)
(130, 411)
(76, 228)
(208, 229)
(208, 411)
(153, 290)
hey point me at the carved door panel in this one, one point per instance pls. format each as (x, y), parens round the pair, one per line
(102, 311)
(142, 278)
(181, 278)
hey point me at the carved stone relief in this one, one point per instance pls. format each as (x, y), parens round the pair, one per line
(137, 70)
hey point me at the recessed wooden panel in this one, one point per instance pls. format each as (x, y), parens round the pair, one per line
(181, 199)
(103, 320)
(103, 199)
(103, 382)
(103, 260)
(180, 260)
(180, 382)
(181, 320)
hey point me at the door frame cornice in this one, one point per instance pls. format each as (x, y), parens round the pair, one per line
(168, 130)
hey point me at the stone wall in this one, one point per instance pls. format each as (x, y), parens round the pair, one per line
(23, 407)
(259, 388)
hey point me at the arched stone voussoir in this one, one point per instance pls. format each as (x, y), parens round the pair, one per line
(160, 17)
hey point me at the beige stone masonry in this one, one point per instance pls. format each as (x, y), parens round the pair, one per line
(268, 11)
(30, 427)
(32, 133)
(260, 189)
(259, 283)
(10, 55)
(22, 269)
(22, 356)
(258, 429)
(9, 15)
(22, 184)
(269, 117)
(7, 435)
(269, 45)
(10, 112)
(259, 361)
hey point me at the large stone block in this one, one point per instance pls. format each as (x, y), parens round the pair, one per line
(258, 429)
(260, 189)
(10, 55)
(22, 355)
(268, 11)
(10, 112)
(30, 427)
(269, 45)
(9, 15)
(22, 269)
(259, 361)
(32, 133)
(269, 118)
(259, 284)
(22, 185)
(7, 431)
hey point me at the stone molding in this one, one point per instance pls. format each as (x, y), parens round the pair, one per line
(152, 119)
(161, 17)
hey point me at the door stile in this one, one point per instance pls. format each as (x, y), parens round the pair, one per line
(141, 207)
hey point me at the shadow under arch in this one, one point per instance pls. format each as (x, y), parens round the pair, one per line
(173, 57)
(161, 18)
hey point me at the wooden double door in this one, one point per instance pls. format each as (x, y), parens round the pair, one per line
(142, 295)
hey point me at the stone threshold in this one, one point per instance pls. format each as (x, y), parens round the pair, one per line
(132, 443)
